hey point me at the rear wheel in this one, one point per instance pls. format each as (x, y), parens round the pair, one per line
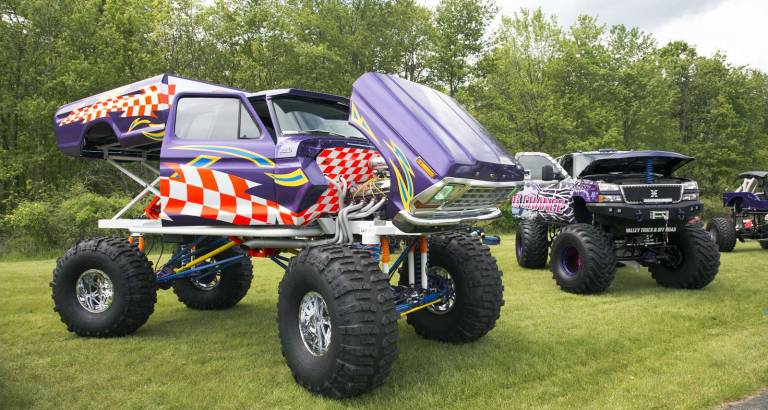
(723, 233)
(694, 266)
(582, 259)
(531, 244)
(103, 287)
(467, 270)
(217, 288)
(337, 321)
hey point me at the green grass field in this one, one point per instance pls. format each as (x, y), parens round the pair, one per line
(637, 346)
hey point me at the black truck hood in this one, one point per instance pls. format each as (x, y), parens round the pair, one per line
(635, 162)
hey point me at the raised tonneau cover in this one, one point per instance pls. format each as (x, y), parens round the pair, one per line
(135, 113)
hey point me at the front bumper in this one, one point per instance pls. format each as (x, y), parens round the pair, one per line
(475, 201)
(621, 216)
(409, 223)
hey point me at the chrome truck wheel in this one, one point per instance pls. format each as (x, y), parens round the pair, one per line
(103, 287)
(337, 321)
(94, 291)
(315, 323)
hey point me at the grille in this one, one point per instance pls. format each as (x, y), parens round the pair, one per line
(652, 194)
(479, 198)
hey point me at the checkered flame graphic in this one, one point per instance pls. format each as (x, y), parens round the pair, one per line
(145, 102)
(212, 194)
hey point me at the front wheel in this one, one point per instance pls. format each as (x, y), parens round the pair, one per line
(531, 244)
(337, 321)
(723, 233)
(476, 294)
(103, 287)
(582, 259)
(694, 263)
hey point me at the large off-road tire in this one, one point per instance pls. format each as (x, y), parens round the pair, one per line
(723, 233)
(359, 312)
(478, 293)
(698, 264)
(582, 259)
(103, 287)
(532, 244)
(222, 288)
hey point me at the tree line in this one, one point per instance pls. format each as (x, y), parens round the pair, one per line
(533, 83)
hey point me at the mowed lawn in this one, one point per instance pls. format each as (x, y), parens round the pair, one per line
(637, 346)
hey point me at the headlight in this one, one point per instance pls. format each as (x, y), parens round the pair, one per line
(446, 194)
(690, 197)
(606, 187)
(690, 185)
(609, 198)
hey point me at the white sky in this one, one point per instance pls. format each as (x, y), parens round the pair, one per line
(739, 28)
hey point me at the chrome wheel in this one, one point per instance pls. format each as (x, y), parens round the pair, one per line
(207, 282)
(94, 291)
(445, 282)
(315, 323)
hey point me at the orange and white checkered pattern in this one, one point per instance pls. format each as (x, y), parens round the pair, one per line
(211, 194)
(150, 98)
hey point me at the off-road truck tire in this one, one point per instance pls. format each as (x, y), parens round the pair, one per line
(700, 261)
(723, 233)
(130, 279)
(582, 259)
(363, 321)
(233, 283)
(532, 244)
(479, 291)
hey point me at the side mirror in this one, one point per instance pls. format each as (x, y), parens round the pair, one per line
(547, 173)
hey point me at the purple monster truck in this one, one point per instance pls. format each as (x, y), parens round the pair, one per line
(328, 181)
(749, 213)
(594, 210)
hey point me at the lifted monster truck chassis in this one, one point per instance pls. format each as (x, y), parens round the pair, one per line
(326, 187)
(594, 210)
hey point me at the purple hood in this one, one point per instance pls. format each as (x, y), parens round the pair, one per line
(425, 135)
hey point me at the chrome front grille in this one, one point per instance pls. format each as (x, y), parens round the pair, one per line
(478, 198)
(652, 193)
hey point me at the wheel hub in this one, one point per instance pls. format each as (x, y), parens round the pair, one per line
(94, 291)
(570, 261)
(315, 323)
(207, 282)
(442, 280)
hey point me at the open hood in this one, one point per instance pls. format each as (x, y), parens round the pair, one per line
(632, 162)
(425, 136)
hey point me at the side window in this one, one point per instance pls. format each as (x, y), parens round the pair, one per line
(206, 118)
(248, 127)
(532, 164)
(567, 163)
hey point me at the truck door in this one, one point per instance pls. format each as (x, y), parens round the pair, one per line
(214, 160)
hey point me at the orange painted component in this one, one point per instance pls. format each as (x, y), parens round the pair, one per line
(424, 240)
(384, 249)
(262, 253)
(152, 211)
(141, 243)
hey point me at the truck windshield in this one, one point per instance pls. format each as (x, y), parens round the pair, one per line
(303, 116)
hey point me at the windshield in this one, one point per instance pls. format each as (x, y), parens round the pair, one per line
(303, 116)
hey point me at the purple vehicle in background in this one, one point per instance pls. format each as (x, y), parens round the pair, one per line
(749, 213)
(594, 210)
(321, 185)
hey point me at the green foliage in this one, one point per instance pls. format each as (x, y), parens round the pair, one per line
(53, 224)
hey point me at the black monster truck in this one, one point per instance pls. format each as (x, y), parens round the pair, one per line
(595, 210)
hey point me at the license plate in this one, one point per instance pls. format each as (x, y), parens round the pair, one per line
(660, 215)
